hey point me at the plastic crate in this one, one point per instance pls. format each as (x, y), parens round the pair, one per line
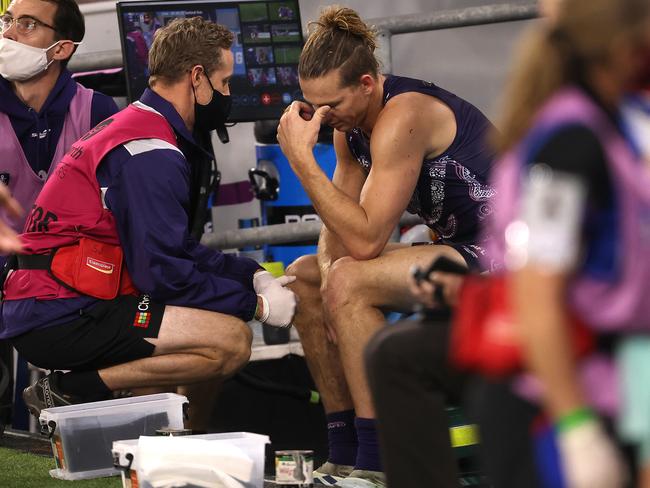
(82, 435)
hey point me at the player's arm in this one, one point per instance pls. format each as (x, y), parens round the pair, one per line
(401, 137)
(348, 178)
(399, 142)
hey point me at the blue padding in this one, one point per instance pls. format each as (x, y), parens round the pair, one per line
(292, 199)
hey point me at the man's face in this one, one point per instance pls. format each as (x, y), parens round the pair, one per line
(42, 13)
(220, 78)
(348, 105)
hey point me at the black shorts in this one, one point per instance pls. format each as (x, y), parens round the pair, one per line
(108, 333)
(471, 253)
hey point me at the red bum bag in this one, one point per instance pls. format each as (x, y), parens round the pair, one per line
(485, 336)
(88, 267)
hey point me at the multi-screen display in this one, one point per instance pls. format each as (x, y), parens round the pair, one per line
(268, 41)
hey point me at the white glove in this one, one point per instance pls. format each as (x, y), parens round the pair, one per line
(261, 280)
(264, 279)
(589, 458)
(279, 305)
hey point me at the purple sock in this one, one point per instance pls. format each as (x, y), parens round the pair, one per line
(342, 437)
(368, 452)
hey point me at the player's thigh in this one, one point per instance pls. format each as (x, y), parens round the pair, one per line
(188, 329)
(307, 271)
(383, 281)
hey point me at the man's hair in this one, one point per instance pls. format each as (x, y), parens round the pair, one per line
(339, 39)
(184, 43)
(68, 22)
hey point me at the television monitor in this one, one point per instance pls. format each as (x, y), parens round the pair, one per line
(268, 41)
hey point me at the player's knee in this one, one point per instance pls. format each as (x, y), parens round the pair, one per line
(240, 347)
(232, 352)
(305, 269)
(342, 284)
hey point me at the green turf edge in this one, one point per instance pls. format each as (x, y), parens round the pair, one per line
(22, 470)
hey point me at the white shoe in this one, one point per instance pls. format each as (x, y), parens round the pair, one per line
(329, 473)
(363, 479)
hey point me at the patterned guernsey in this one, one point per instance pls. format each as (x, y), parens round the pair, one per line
(452, 195)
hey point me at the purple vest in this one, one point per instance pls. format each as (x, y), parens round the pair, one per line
(25, 185)
(621, 304)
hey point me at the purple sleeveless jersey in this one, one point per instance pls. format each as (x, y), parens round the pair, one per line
(452, 195)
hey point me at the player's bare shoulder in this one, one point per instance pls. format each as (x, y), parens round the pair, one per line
(428, 118)
(420, 105)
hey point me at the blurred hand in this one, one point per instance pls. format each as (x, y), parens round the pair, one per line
(589, 458)
(9, 241)
(424, 290)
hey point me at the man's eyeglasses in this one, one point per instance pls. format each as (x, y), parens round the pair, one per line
(24, 25)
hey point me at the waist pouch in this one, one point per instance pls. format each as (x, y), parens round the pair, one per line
(88, 267)
(485, 337)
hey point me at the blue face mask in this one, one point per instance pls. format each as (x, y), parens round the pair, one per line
(215, 113)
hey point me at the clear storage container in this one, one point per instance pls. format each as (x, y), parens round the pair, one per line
(82, 435)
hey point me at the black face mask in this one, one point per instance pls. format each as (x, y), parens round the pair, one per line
(214, 114)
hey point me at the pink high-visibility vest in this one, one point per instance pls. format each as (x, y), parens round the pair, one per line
(71, 207)
(24, 184)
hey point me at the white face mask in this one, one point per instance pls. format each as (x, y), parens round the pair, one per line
(20, 62)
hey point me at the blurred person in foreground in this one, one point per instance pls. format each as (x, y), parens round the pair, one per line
(569, 234)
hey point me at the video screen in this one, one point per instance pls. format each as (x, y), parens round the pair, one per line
(286, 33)
(287, 75)
(254, 12)
(283, 11)
(287, 54)
(262, 76)
(258, 55)
(267, 46)
(257, 33)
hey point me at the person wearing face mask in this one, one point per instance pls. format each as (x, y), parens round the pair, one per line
(113, 284)
(42, 109)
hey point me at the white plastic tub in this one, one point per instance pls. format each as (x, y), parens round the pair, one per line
(82, 435)
(124, 460)
(125, 455)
